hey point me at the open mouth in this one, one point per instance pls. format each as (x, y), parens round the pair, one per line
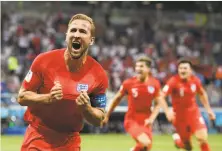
(76, 45)
(139, 72)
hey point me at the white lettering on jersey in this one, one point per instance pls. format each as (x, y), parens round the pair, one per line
(28, 76)
(181, 92)
(134, 92)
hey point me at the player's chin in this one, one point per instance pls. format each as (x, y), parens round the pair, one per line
(183, 76)
(76, 56)
(140, 76)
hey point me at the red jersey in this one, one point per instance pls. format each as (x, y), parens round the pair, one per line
(140, 97)
(63, 116)
(183, 93)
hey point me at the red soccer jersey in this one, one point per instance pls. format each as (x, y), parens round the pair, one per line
(63, 116)
(140, 97)
(183, 93)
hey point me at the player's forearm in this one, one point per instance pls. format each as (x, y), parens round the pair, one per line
(93, 115)
(163, 104)
(29, 98)
(113, 106)
(204, 101)
(155, 112)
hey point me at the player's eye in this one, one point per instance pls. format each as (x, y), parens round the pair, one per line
(73, 30)
(82, 31)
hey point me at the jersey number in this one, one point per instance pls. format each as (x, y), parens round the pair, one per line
(135, 92)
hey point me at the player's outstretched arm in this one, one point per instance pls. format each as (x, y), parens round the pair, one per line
(165, 107)
(117, 98)
(204, 100)
(29, 98)
(155, 111)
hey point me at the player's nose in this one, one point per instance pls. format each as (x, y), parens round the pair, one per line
(77, 34)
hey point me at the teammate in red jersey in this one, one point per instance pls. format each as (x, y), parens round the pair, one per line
(141, 91)
(62, 88)
(187, 118)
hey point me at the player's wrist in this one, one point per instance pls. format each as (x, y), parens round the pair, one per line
(209, 110)
(48, 98)
(86, 107)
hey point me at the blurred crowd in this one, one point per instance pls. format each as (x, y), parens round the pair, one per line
(117, 46)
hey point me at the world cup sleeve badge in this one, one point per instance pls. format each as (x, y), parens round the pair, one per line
(29, 76)
(151, 89)
(82, 87)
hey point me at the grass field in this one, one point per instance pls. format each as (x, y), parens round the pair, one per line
(116, 142)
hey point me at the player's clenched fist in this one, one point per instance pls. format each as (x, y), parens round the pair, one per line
(148, 122)
(56, 92)
(83, 99)
(211, 115)
(170, 115)
(105, 121)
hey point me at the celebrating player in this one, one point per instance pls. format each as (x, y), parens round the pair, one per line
(141, 91)
(187, 118)
(62, 88)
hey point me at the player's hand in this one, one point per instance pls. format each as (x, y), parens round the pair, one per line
(211, 115)
(148, 122)
(83, 100)
(105, 121)
(170, 116)
(56, 92)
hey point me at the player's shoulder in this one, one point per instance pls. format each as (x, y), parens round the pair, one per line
(195, 78)
(92, 62)
(155, 80)
(173, 79)
(96, 66)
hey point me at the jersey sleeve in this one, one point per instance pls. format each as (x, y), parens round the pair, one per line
(98, 97)
(167, 89)
(123, 88)
(33, 79)
(199, 85)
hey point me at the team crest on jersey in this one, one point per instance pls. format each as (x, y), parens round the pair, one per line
(151, 89)
(82, 87)
(193, 87)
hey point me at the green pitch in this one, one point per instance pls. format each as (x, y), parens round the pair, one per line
(116, 142)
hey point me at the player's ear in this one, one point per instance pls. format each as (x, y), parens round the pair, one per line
(92, 41)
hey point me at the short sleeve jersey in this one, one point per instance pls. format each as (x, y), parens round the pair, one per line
(140, 97)
(183, 93)
(64, 114)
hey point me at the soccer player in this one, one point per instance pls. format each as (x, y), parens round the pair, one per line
(141, 90)
(63, 88)
(186, 116)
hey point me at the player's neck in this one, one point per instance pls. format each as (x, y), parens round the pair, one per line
(74, 65)
(144, 79)
(186, 79)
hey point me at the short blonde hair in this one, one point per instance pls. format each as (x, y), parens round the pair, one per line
(147, 60)
(87, 18)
